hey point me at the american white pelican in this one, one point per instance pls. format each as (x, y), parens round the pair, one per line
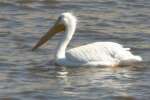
(94, 54)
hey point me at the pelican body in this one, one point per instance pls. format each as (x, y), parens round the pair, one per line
(94, 54)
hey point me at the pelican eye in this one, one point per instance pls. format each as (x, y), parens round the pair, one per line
(61, 17)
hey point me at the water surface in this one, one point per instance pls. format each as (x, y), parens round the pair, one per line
(26, 75)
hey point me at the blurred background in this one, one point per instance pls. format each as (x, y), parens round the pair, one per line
(27, 75)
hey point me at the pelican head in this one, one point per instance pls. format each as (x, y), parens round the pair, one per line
(64, 22)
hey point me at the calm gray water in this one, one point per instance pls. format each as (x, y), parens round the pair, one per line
(26, 75)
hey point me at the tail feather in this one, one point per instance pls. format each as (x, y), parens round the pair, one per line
(128, 49)
(131, 60)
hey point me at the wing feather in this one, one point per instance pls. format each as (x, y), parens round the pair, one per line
(102, 53)
(99, 51)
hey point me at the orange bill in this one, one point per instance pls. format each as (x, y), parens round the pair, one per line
(55, 29)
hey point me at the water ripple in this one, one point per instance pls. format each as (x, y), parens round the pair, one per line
(33, 76)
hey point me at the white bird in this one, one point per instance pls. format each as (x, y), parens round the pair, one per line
(94, 54)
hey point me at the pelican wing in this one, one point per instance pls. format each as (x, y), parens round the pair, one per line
(101, 52)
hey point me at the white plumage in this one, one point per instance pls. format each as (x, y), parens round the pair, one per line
(94, 54)
(102, 54)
